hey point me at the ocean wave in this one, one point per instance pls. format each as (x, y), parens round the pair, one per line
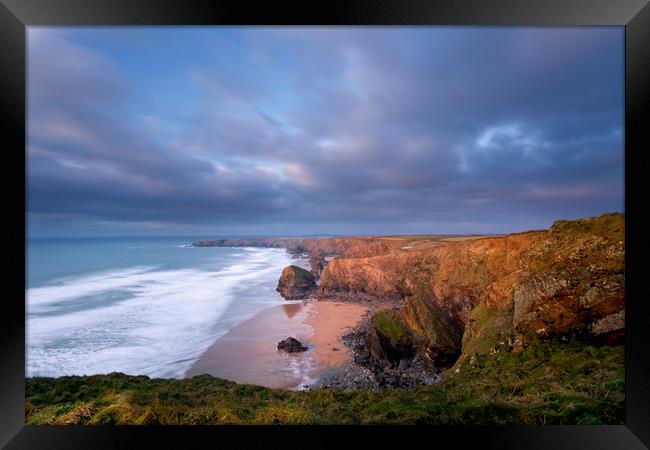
(164, 319)
(302, 369)
(74, 287)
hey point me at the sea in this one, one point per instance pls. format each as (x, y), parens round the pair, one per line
(138, 305)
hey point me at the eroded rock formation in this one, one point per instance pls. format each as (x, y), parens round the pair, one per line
(566, 282)
(296, 283)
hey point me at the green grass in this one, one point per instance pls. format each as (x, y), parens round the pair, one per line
(550, 383)
(609, 225)
(488, 324)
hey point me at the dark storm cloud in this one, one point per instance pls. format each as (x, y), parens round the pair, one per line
(327, 130)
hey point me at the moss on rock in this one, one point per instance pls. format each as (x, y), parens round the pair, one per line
(388, 323)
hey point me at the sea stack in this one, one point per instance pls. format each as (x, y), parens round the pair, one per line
(296, 283)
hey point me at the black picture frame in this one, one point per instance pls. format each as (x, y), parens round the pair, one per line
(634, 15)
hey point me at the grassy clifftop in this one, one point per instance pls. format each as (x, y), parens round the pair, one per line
(609, 225)
(552, 383)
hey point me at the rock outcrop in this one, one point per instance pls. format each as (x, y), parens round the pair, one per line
(389, 338)
(473, 295)
(291, 345)
(296, 283)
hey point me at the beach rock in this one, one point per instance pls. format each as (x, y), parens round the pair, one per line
(291, 345)
(296, 283)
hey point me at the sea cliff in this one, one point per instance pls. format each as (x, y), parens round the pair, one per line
(464, 296)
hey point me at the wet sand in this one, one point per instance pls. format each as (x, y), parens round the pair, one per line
(248, 352)
(330, 321)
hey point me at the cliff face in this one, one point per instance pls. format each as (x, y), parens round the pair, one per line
(470, 296)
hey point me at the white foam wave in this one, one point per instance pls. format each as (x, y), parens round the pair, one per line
(167, 321)
(303, 368)
(71, 288)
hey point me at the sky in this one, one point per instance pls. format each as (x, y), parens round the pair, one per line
(225, 131)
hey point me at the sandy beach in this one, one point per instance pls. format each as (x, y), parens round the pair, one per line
(248, 352)
(330, 321)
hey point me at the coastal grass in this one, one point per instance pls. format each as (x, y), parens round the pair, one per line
(488, 324)
(549, 383)
(609, 225)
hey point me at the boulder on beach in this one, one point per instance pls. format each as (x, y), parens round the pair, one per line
(296, 283)
(291, 345)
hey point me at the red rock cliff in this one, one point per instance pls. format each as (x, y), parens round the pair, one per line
(471, 295)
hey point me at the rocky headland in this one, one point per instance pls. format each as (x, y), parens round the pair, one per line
(440, 302)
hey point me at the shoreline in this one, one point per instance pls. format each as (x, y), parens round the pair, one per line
(248, 353)
(331, 321)
(335, 358)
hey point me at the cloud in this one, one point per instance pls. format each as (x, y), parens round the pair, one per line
(354, 130)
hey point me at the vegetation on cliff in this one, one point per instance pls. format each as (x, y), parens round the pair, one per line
(388, 324)
(550, 383)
